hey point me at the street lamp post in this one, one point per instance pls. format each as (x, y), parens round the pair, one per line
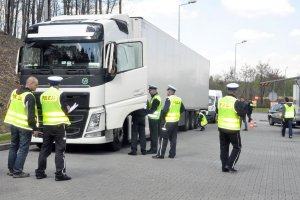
(235, 56)
(189, 2)
(284, 80)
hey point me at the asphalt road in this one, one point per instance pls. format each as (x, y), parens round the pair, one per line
(269, 168)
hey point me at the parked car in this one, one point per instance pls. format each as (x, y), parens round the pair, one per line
(274, 114)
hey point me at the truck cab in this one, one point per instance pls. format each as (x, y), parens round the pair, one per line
(96, 57)
(213, 98)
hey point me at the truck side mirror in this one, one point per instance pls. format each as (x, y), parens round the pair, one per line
(110, 60)
(19, 60)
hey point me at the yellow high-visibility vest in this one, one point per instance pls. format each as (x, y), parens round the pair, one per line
(17, 113)
(227, 116)
(289, 111)
(173, 114)
(51, 108)
(203, 121)
(156, 114)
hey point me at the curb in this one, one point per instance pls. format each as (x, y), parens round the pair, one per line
(4, 146)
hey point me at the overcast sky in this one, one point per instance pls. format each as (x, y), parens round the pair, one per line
(213, 27)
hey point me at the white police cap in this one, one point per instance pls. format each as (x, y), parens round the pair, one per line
(55, 80)
(170, 87)
(152, 87)
(232, 86)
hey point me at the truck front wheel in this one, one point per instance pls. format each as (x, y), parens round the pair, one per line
(118, 133)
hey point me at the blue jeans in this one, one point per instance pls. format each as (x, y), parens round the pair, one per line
(18, 150)
(288, 123)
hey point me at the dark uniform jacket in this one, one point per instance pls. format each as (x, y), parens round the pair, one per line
(30, 106)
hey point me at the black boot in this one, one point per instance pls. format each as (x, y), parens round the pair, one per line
(62, 177)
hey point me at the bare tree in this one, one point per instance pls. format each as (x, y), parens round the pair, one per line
(100, 7)
(247, 76)
(40, 8)
(16, 18)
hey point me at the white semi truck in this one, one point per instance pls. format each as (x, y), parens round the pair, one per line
(213, 99)
(107, 62)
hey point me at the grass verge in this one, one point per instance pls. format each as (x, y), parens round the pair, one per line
(4, 138)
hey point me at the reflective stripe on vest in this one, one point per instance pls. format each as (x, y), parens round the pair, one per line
(289, 111)
(51, 108)
(227, 116)
(17, 114)
(203, 121)
(156, 114)
(173, 114)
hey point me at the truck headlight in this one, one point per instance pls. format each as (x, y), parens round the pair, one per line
(94, 122)
(211, 108)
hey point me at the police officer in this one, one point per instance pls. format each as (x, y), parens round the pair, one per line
(202, 120)
(54, 111)
(288, 114)
(170, 116)
(22, 115)
(138, 128)
(230, 111)
(154, 110)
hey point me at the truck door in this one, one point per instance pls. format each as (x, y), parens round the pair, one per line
(127, 91)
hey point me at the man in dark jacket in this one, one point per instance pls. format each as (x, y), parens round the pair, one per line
(244, 119)
(138, 128)
(23, 118)
(250, 109)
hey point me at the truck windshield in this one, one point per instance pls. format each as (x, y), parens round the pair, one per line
(55, 54)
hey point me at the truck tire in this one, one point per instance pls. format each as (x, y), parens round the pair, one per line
(117, 143)
(196, 123)
(192, 120)
(214, 120)
(186, 125)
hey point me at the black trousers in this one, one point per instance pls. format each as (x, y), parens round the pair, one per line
(154, 126)
(249, 117)
(225, 140)
(138, 128)
(170, 133)
(52, 134)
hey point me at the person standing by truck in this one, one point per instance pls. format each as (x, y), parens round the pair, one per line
(288, 114)
(138, 128)
(170, 115)
(230, 111)
(154, 110)
(22, 115)
(55, 119)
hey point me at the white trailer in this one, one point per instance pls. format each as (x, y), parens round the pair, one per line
(107, 62)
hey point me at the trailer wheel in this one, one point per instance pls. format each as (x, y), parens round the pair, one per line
(214, 120)
(192, 120)
(117, 143)
(186, 125)
(195, 120)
